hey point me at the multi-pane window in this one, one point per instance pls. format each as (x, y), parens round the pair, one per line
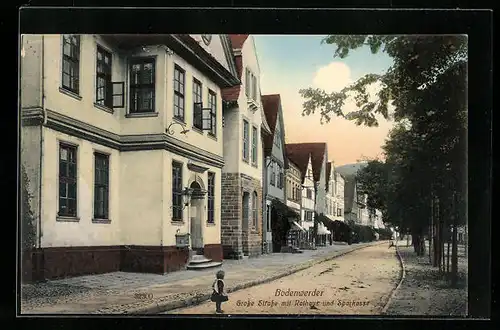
(247, 82)
(212, 104)
(177, 191)
(104, 84)
(254, 209)
(245, 139)
(308, 216)
(179, 88)
(254, 145)
(279, 177)
(273, 174)
(245, 208)
(101, 186)
(71, 63)
(250, 85)
(197, 105)
(309, 193)
(339, 212)
(254, 87)
(67, 180)
(142, 85)
(211, 197)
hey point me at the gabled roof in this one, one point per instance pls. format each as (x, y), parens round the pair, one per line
(232, 93)
(299, 157)
(317, 151)
(237, 41)
(271, 105)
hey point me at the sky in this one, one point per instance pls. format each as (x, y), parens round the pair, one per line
(289, 63)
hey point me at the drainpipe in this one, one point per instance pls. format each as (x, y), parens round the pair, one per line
(39, 231)
(264, 202)
(265, 176)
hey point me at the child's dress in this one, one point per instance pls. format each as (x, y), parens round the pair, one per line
(218, 294)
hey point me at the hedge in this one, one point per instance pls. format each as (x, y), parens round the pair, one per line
(363, 234)
(384, 233)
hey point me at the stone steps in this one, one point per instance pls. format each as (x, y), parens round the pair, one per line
(205, 265)
(199, 262)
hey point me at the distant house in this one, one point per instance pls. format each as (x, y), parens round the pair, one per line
(339, 195)
(293, 187)
(294, 201)
(330, 202)
(242, 182)
(352, 211)
(335, 194)
(317, 156)
(275, 164)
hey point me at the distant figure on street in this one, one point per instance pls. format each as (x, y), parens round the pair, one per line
(392, 240)
(218, 294)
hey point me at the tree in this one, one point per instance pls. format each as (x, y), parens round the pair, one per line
(425, 152)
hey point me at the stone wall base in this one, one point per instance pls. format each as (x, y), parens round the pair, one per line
(62, 262)
(238, 237)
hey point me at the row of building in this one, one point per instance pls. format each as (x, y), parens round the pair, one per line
(142, 151)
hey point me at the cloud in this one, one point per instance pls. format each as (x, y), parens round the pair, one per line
(346, 141)
(333, 77)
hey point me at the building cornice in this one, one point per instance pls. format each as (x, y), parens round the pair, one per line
(123, 143)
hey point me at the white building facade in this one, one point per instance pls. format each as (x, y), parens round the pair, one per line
(113, 169)
(244, 122)
(308, 198)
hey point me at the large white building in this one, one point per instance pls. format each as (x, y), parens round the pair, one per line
(113, 171)
(244, 123)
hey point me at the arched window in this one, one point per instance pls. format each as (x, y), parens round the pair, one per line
(254, 209)
(245, 208)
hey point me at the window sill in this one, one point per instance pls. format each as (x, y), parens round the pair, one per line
(104, 108)
(255, 165)
(61, 218)
(104, 221)
(141, 114)
(177, 222)
(210, 224)
(179, 120)
(246, 161)
(70, 93)
(197, 130)
(212, 136)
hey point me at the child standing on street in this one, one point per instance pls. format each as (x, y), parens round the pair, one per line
(218, 294)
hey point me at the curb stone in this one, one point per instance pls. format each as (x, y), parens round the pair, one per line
(403, 274)
(199, 298)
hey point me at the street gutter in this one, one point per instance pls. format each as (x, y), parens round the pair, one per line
(403, 275)
(156, 308)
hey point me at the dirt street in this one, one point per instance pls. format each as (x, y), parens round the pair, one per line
(357, 283)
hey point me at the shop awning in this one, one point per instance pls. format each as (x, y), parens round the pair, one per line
(296, 226)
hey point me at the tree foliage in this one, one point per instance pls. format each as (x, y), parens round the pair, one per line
(417, 62)
(425, 153)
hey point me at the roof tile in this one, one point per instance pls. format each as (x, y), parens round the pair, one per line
(315, 149)
(271, 105)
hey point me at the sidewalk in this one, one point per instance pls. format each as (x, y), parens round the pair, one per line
(424, 292)
(115, 293)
